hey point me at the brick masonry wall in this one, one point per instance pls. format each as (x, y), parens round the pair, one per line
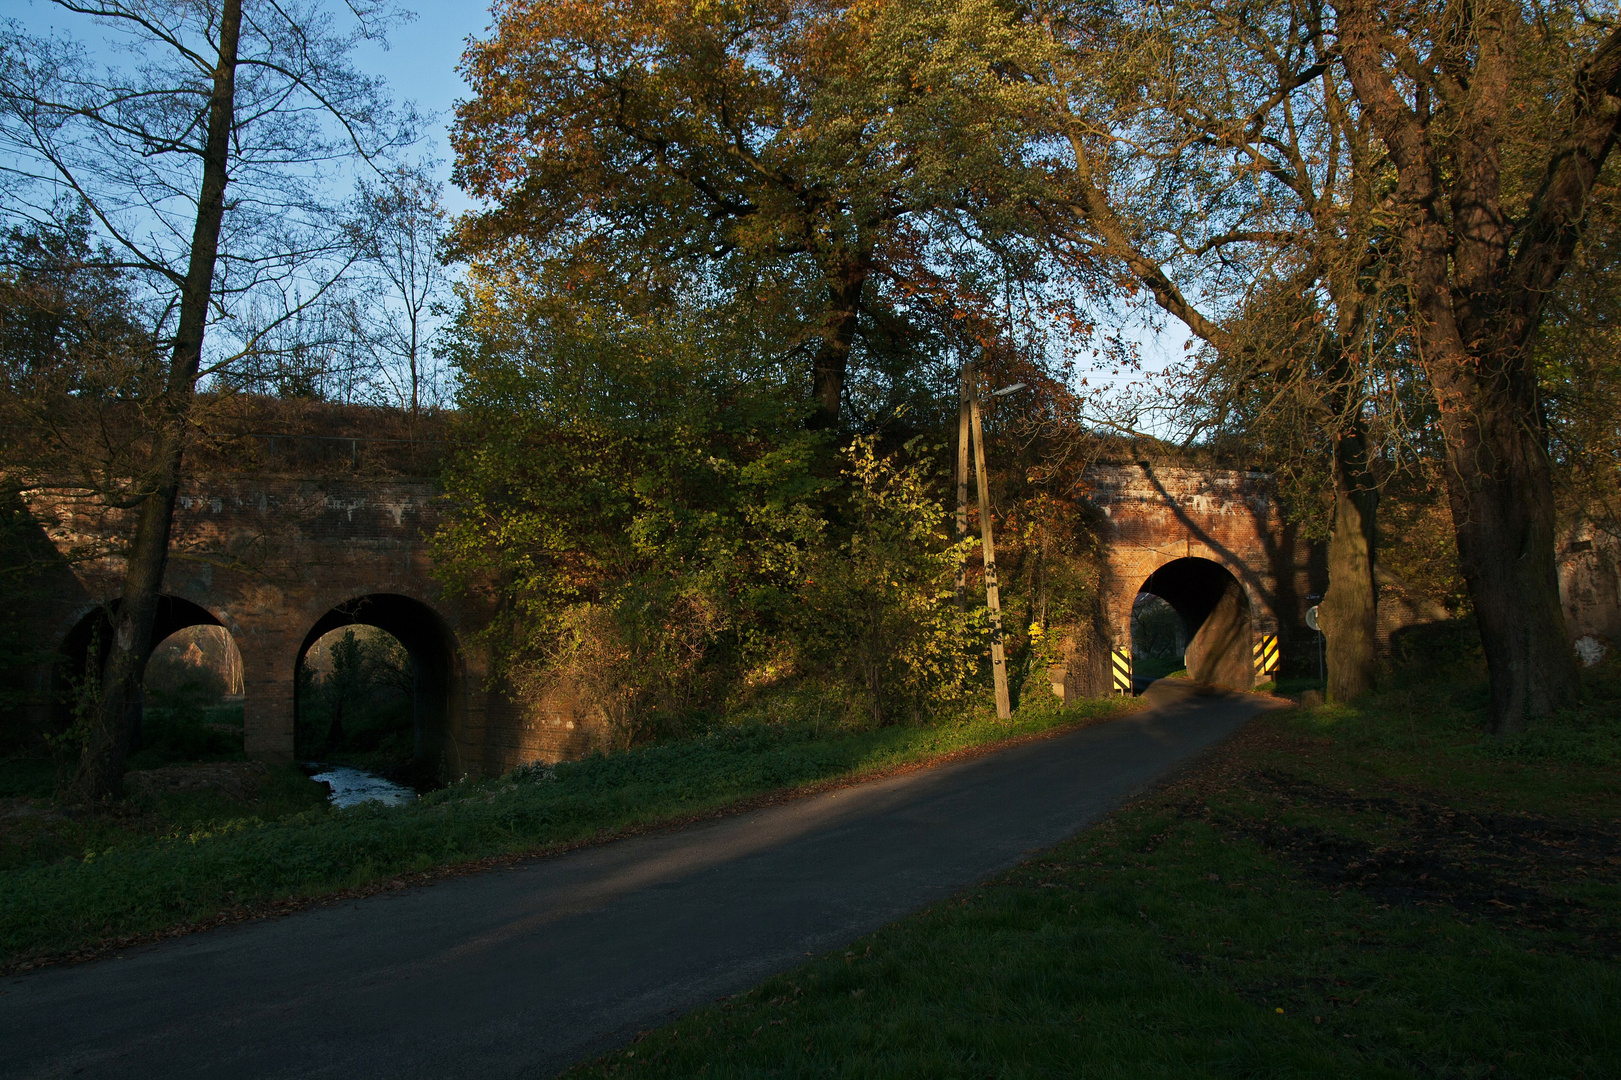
(271, 557)
(1154, 515)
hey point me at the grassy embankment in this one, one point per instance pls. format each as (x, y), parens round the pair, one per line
(1377, 891)
(76, 884)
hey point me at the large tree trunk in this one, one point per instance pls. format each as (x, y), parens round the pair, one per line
(112, 721)
(1478, 282)
(1500, 487)
(1499, 479)
(833, 357)
(1349, 613)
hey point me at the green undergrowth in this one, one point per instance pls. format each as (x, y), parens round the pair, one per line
(122, 883)
(188, 730)
(1373, 891)
(37, 832)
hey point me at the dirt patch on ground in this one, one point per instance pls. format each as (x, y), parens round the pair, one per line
(235, 780)
(1512, 869)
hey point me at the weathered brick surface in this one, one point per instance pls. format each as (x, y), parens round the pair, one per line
(271, 558)
(1154, 516)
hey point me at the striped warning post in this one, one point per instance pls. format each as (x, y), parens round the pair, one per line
(1266, 655)
(1122, 671)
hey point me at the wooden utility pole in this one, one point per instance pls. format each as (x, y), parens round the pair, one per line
(963, 438)
(993, 595)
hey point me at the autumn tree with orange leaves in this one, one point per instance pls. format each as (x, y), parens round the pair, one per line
(828, 175)
(721, 239)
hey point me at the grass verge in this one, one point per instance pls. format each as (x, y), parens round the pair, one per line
(136, 879)
(1377, 891)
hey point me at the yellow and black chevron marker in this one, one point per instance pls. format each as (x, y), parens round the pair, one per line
(1122, 671)
(1266, 655)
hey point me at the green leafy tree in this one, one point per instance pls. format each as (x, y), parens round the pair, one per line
(873, 604)
(1209, 153)
(657, 523)
(603, 486)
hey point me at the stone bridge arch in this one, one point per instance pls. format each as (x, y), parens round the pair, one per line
(1240, 562)
(85, 635)
(439, 692)
(269, 556)
(1217, 614)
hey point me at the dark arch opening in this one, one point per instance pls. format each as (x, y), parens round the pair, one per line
(1213, 632)
(78, 665)
(435, 674)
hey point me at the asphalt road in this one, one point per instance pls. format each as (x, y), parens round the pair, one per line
(527, 970)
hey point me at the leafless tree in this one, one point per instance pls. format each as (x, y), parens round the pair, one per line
(398, 228)
(202, 164)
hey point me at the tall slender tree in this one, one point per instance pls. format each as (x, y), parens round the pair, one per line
(202, 168)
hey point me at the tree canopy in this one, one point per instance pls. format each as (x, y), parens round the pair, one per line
(840, 177)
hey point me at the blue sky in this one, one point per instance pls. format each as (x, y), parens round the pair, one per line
(419, 64)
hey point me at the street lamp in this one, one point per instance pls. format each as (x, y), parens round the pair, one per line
(969, 429)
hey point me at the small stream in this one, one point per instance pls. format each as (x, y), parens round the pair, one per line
(351, 786)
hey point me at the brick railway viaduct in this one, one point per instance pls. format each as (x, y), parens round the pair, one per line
(281, 558)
